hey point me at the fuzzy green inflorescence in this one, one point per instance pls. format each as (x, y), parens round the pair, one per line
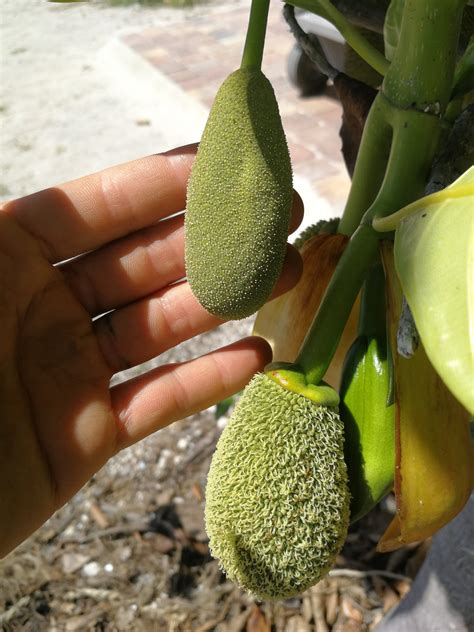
(322, 227)
(239, 199)
(277, 500)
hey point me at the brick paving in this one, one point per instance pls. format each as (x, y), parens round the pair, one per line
(199, 52)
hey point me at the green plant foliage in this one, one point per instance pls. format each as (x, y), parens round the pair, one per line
(391, 27)
(365, 409)
(369, 423)
(434, 250)
(223, 406)
(277, 502)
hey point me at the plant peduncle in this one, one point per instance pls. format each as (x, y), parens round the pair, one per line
(255, 39)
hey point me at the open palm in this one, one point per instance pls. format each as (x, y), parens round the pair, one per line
(91, 283)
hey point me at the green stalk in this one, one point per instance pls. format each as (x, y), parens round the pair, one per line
(370, 167)
(415, 137)
(414, 142)
(422, 69)
(322, 339)
(255, 39)
(372, 318)
(395, 156)
(457, 105)
(464, 72)
(353, 37)
(462, 94)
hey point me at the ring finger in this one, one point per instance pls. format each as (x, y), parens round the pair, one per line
(132, 267)
(144, 329)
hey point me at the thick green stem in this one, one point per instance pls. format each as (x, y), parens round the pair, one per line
(464, 72)
(415, 136)
(422, 69)
(395, 156)
(322, 339)
(255, 40)
(372, 319)
(353, 37)
(370, 167)
(457, 105)
(414, 142)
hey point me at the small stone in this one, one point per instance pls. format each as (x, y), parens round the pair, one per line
(69, 531)
(72, 562)
(222, 422)
(182, 443)
(125, 553)
(79, 622)
(91, 569)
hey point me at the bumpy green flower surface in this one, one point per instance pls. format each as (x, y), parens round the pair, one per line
(322, 227)
(239, 199)
(277, 500)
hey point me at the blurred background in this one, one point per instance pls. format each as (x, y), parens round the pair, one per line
(85, 86)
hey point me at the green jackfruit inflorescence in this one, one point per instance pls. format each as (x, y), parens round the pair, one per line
(322, 227)
(239, 199)
(277, 500)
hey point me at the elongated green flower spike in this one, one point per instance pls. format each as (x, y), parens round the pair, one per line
(240, 191)
(277, 502)
(239, 199)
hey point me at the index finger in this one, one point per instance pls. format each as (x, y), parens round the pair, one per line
(87, 213)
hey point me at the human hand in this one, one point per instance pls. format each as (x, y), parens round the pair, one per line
(59, 419)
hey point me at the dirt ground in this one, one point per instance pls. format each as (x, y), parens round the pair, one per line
(129, 552)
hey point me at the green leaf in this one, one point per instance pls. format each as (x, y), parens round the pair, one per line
(391, 27)
(223, 406)
(369, 424)
(434, 253)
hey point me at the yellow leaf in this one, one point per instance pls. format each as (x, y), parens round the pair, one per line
(434, 459)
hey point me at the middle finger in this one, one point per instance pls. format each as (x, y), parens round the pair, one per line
(129, 268)
(135, 266)
(145, 329)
